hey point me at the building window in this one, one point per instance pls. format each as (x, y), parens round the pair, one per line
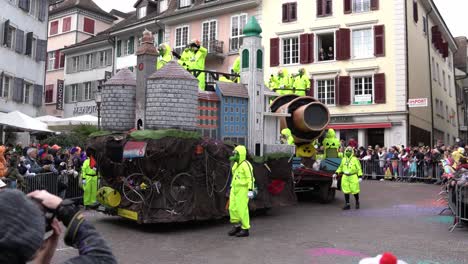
(437, 107)
(163, 5)
(324, 8)
(444, 80)
(182, 35)
(361, 6)
(434, 73)
(185, 3)
(54, 28)
(49, 94)
(5, 88)
(447, 113)
(438, 73)
(449, 85)
(27, 93)
(51, 61)
(87, 91)
(74, 93)
(326, 46)
(33, 48)
(290, 50)
(33, 7)
(289, 12)
(326, 91)
(88, 61)
(75, 63)
(424, 25)
(66, 24)
(238, 23)
(103, 58)
(88, 25)
(141, 12)
(363, 90)
(209, 31)
(11, 37)
(363, 43)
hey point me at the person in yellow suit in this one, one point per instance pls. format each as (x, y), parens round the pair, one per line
(351, 171)
(165, 55)
(457, 155)
(236, 70)
(89, 177)
(287, 136)
(284, 83)
(185, 57)
(301, 83)
(331, 144)
(242, 189)
(197, 62)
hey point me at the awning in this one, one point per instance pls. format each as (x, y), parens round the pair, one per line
(360, 126)
(24, 122)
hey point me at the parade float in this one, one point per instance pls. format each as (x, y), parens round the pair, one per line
(175, 166)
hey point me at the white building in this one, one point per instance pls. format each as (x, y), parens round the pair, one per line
(23, 38)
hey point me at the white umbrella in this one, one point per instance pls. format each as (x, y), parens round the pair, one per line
(24, 122)
(77, 120)
(49, 119)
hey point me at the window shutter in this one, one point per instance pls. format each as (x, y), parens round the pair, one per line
(320, 8)
(415, 11)
(1, 84)
(304, 42)
(80, 92)
(274, 52)
(311, 48)
(345, 90)
(131, 45)
(343, 41)
(445, 49)
(24, 4)
(81, 63)
(62, 60)
(379, 82)
(37, 96)
(29, 39)
(88, 25)
(379, 42)
(311, 88)
(67, 94)
(43, 4)
(19, 47)
(119, 48)
(109, 58)
(434, 31)
(57, 59)
(41, 50)
(6, 25)
(374, 4)
(285, 13)
(347, 6)
(18, 92)
(292, 11)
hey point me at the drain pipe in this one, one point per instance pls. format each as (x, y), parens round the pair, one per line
(430, 76)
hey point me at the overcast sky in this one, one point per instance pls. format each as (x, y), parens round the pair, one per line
(453, 11)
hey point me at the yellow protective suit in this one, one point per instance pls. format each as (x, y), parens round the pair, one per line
(331, 144)
(90, 184)
(288, 135)
(235, 69)
(185, 57)
(242, 181)
(164, 57)
(197, 62)
(301, 84)
(350, 167)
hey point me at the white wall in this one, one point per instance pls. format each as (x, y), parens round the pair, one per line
(125, 62)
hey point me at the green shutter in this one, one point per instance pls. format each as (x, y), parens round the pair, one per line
(245, 59)
(259, 59)
(160, 36)
(119, 48)
(131, 45)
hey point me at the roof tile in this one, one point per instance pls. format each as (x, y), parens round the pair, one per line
(233, 89)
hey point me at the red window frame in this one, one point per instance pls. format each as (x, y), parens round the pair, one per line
(54, 28)
(49, 94)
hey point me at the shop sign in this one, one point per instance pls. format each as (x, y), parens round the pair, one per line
(60, 86)
(365, 99)
(84, 110)
(418, 102)
(463, 128)
(341, 119)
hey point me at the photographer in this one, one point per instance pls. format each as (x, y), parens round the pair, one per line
(24, 223)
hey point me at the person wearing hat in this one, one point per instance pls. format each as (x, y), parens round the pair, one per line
(284, 82)
(165, 55)
(185, 57)
(386, 258)
(197, 62)
(350, 167)
(301, 83)
(242, 186)
(24, 224)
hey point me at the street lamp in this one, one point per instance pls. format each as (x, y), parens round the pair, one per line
(98, 99)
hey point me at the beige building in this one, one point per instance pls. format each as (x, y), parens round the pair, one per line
(366, 60)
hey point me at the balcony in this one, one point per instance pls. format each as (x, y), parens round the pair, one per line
(235, 43)
(215, 49)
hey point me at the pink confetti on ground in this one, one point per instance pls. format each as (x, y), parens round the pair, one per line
(320, 252)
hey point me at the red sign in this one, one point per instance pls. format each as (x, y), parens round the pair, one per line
(134, 149)
(141, 66)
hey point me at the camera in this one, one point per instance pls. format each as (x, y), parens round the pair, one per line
(49, 214)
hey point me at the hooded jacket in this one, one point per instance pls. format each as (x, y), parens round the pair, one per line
(165, 57)
(242, 171)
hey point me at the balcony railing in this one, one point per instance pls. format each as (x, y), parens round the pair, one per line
(235, 43)
(214, 46)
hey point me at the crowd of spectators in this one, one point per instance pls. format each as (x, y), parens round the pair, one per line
(18, 163)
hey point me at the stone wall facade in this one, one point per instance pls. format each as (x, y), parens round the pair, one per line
(172, 103)
(118, 107)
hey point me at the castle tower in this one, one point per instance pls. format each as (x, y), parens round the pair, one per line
(147, 56)
(252, 77)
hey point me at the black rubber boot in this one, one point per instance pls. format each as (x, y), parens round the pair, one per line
(347, 207)
(235, 229)
(358, 205)
(243, 233)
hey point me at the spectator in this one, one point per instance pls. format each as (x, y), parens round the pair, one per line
(22, 234)
(353, 143)
(30, 160)
(13, 177)
(3, 163)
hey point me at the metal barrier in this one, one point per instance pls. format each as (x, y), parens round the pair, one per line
(458, 199)
(401, 170)
(64, 185)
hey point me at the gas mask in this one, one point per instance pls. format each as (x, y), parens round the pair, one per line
(348, 153)
(235, 156)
